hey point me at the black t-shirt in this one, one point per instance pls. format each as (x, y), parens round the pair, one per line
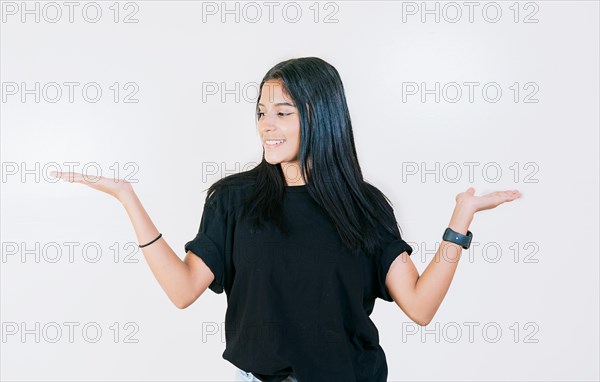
(297, 304)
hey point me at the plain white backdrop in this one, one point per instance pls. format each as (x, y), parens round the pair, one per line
(523, 304)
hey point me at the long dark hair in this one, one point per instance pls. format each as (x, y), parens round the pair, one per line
(327, 159)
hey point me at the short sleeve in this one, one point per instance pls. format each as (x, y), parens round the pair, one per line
(390, 252)
(210, 241)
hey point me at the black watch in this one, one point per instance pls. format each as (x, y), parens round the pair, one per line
(458, 238)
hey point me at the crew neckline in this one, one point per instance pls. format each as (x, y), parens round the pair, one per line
(301, 188)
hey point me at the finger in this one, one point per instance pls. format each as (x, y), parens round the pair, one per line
(59, 174)
(507, 192)
(72, 177)
(502, 196)
(512, 195)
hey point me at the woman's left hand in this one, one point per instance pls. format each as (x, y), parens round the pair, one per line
(475, 203)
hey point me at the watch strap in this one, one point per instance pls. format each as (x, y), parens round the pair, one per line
(458, 238)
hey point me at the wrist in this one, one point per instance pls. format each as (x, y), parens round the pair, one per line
(462, 217)
(464, 209)
(126, 196)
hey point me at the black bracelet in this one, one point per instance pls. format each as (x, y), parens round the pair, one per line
(159, 236)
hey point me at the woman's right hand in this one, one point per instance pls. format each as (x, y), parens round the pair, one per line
(114, 187)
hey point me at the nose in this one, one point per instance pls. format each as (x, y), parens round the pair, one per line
(266, 124)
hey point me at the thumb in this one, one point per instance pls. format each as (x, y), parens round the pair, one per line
(471, 190)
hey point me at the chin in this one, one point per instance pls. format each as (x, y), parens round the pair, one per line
(277, 158)
(272, 161)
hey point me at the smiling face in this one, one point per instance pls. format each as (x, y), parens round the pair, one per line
(279, 128)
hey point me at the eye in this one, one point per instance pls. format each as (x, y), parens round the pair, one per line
(281, 114)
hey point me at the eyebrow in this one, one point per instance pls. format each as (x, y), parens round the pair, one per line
(280, 104)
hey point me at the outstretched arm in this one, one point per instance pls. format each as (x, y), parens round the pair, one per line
(421, 296)
(183, 281)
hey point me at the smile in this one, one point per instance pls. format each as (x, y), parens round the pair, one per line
(274, 143)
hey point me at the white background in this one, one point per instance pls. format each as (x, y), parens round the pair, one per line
(547, 310)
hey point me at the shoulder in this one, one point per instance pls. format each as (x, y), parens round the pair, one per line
(383, 209)
(378, 199)
(373, 192)
(230, 192)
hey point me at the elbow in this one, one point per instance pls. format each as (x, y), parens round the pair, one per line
(185, 301)
(422, 322)
(181, 304)
(421, 319)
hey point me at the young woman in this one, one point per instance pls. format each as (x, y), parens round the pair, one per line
(302, 244)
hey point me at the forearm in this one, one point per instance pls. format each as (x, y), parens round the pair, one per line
(170, 271)
(434, 282)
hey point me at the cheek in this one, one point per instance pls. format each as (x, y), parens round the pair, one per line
(297, 131)
(296, 140)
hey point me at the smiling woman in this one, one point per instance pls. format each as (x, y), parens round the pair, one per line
(279, 128)
(301, 244)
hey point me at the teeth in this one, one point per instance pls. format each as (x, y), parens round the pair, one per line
(274, 142)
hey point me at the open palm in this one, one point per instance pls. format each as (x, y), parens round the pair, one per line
(487, 201)
(113, 187)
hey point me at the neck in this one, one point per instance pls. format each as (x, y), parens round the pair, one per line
(291, 171)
